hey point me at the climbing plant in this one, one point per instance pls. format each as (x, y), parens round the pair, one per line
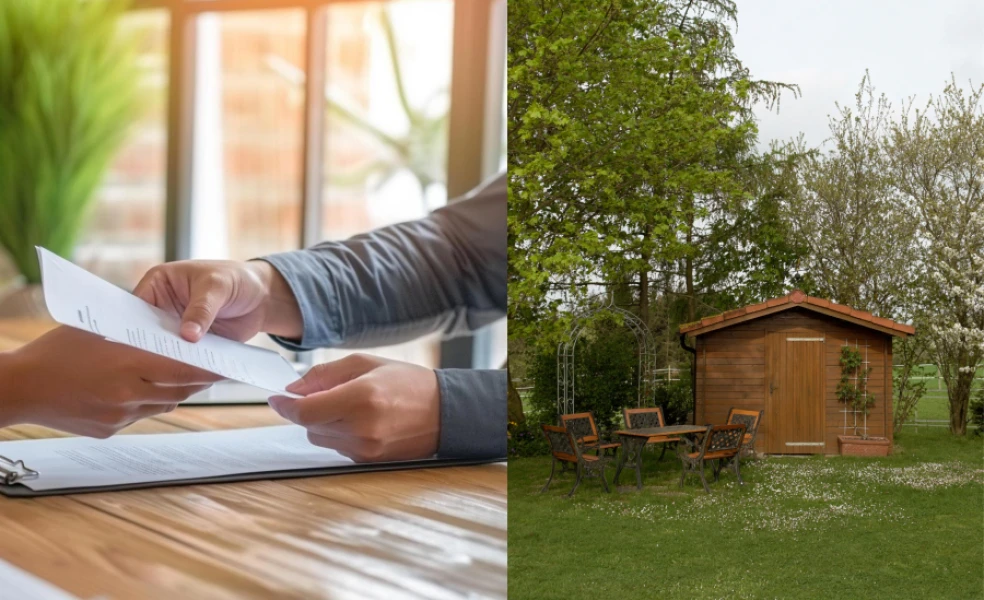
(853, 387)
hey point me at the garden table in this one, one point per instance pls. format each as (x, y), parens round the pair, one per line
(634, 440)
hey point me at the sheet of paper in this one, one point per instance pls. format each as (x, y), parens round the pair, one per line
(65, 463)
(16, 583)
(79, 299)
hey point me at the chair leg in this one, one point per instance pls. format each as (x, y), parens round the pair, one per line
(662, 453)
(604, 480)
(738, 471)
(703, 479)
(683, 474)
(553, 467)
(577, 482)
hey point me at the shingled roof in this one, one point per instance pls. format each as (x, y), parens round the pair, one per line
(796, 299)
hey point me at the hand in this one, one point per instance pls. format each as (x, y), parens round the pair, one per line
(236, 300)
(367, 408)
(78, 382)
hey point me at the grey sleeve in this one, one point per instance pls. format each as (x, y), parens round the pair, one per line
(446, 272)
(473, 413)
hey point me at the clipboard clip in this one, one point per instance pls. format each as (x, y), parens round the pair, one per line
(12, 472)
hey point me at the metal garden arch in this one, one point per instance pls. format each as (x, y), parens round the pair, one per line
(646, 373)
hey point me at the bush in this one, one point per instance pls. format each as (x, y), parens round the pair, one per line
(605, 366)
(526, 439)
(976, 415)
(676, 400)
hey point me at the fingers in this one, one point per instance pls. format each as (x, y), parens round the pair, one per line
(149, 290)
(329, 375)
(209, 294)
(321, 408)
(345, 446)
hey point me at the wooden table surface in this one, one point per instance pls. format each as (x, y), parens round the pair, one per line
(435, 533)
(658, 431)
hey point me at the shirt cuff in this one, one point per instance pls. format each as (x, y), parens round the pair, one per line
(294, 267)
(473, 413)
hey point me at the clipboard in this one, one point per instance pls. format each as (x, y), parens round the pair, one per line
(15, 473)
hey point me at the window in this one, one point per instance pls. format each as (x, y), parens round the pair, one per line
(280, 123)
(125, 232)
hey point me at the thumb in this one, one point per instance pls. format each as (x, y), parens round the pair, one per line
(207, 296)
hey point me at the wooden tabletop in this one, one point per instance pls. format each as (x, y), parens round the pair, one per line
(435, 533)
(657, 431)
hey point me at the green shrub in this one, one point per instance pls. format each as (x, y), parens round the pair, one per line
(976, 416)
(676, 399)
(68, 84)
(526, 439)
(605, 366)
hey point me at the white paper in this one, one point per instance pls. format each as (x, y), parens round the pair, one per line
(65, 463)
(16, 583)
(79, 299)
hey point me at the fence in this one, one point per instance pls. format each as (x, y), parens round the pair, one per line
(936, 392)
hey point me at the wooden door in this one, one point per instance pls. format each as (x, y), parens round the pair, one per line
(795, 392)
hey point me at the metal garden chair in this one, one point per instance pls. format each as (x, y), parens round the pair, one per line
(582, 427)
(565, 450)
(719, 442)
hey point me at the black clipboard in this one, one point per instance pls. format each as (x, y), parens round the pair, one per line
(12, 473)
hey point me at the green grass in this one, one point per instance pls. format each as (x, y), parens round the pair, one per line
(907, 526)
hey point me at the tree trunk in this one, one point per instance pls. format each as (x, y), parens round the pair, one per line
(515, 406)
(644, 296)
(959, 401)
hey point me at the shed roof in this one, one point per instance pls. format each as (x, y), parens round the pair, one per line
(796, 299)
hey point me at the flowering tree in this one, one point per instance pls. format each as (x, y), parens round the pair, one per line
(937, 162)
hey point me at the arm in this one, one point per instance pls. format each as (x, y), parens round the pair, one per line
(446, 272)
(473, 413)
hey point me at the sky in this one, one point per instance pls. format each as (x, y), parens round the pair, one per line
(910, 47)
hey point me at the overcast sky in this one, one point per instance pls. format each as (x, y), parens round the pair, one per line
(909, 46)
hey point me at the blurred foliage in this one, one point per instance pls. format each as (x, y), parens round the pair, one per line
(68, 90)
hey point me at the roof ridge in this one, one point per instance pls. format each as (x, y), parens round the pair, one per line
(795, 298)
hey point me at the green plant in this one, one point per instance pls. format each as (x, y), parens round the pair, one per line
(976, 416)
(67, 95)
(853, 387)
(526, 439)
(676, 400)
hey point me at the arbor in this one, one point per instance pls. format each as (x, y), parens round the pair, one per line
(937, 166)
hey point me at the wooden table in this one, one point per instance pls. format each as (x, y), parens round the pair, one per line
(437, 533)
(634, 440)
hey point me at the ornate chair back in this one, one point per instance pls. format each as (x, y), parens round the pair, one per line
(582, 427)
(562, 444)
(643, 418)
(724, 438)
(751, 419)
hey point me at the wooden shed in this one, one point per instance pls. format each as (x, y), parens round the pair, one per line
(783, 356)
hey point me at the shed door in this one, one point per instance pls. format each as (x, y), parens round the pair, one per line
(795, 395)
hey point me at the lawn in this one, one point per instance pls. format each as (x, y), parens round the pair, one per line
(907, 526)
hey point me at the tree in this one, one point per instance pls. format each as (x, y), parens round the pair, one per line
(860, 248)
(629, 119)
(937, 166)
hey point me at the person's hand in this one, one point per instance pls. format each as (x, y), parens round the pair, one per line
(236, 300)
(367, 408)
(78, 382)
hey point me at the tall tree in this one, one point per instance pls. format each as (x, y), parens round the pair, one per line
(937, 166)
(860, 248)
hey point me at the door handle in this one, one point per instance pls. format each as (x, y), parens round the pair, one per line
(772, 387)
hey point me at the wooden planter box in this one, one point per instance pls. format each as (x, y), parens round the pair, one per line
(853, 445)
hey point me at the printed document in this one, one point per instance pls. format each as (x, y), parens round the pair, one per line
(75, 462)
(15, 583)
(79, 299)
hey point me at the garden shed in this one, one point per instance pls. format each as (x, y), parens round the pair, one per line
(783, 357)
